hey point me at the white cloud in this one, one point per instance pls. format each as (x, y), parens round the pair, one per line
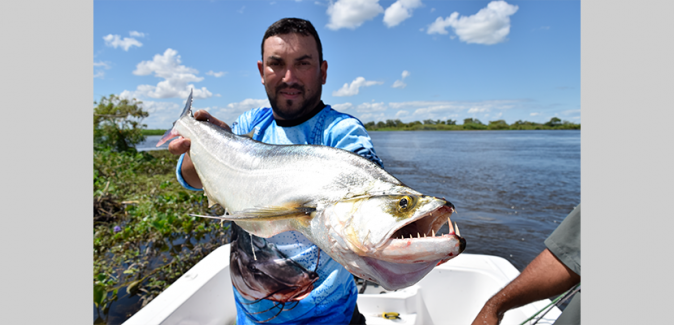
(426, 106)
(116, 41)
(489, 26)
(342, 107)
(352, 13)
(400, 83)
(443, 107)
(248, 104)
(232, 111)
(399, 11)
(216, 74)
(437, 110)
(371, 107)
(372, 117)
(478, 109)
(98, 66)
(353, 88)
(162, 114)
(177, 78)
(136, 34)
(534, 114)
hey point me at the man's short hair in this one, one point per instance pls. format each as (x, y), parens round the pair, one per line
(293, 25)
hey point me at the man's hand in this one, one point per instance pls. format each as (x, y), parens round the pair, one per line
(181, 145)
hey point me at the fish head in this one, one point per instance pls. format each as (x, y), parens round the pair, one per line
(392, 238)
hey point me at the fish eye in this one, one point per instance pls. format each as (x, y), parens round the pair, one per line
(405, 203)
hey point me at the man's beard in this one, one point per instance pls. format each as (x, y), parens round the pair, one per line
(292, 110)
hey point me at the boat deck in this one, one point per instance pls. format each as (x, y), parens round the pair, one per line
(452, 293)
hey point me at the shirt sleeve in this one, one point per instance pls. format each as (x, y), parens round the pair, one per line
(564, 242)
(349, 134)
(179, 175)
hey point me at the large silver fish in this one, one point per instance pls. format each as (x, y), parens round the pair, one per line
(356, 212)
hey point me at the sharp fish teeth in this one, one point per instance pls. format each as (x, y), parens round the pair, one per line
(451, 228)
(432, 233)
(418, 236)
(456, 225)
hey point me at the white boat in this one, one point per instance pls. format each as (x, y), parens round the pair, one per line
(452, 293)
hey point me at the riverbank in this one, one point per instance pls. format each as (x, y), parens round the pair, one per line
(371, 126)
(144, 238)
(443, 126)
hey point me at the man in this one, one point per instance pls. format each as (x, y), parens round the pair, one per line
(292, 71)
(552, 272)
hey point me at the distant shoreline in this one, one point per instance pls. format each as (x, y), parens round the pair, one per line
(421, 128)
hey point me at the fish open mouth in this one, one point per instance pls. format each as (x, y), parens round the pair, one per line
(428, 225)
(419, 241)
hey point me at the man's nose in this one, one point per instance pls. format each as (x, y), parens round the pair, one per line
(290, 77)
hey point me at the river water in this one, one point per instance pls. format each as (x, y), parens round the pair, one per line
(511, 189)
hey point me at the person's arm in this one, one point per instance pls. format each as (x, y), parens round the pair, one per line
(181, 146)
(544, 277)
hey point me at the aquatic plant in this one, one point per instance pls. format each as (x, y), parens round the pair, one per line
(144, 238)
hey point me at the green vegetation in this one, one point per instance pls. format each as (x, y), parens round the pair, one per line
(147, 132)
(144, 238)
(469, 124)
(117, 123)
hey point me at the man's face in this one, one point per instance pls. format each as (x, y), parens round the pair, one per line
(292, 75)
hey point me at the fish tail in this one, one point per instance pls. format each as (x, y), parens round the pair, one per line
(170, 134)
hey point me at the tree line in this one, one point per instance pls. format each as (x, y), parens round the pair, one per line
(469, 124)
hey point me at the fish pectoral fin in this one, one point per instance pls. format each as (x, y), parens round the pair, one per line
(222, 217)
(270, 213)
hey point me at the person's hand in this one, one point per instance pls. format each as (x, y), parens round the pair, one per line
(181, 145)
(488, 316)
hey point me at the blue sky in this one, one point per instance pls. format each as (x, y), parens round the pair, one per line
(405, 59)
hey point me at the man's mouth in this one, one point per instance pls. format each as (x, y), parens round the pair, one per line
(290, 93)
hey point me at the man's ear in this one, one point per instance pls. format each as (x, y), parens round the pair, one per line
(324, 71)
(260, 67)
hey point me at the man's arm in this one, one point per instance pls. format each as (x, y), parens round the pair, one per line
(544, 277)
(182, 146)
